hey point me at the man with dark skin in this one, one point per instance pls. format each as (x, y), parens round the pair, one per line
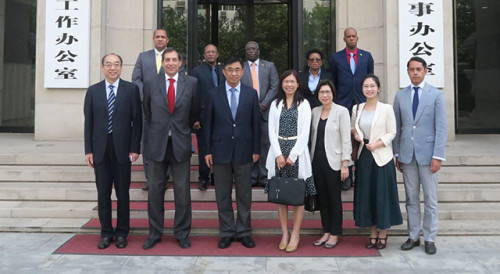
(263, 76)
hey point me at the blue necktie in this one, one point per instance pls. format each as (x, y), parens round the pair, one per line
(415, 102)
(111, 107)
(234, 103)
(214, 77)
(352, 63)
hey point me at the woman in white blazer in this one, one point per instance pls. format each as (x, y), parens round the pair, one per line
(330, 154)
(376, 201)
(288, 156)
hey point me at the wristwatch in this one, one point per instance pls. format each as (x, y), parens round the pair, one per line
(345, 166)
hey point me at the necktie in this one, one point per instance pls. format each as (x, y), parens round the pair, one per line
(111, 107)
(415, 102)
(171, 95)
(214, 77)
(352, 63)
(255, 78)
(234, 103)
(158, 62)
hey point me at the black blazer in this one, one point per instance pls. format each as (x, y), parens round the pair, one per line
(160, 121)
(127, 121)
(203, 73)
(304, 83)
(227, 139)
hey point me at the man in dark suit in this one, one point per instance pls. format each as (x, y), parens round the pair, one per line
(113, 126)
(310, 77)
(419, 147)
(348, 67)
(209, 75)
(263, 77)
(231, 122)
(171, 108)
(147, 66)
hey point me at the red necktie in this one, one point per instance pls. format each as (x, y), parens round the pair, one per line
(171, 95)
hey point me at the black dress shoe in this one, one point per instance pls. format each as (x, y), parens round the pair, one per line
(346, 184)
(410, 244)
(184, 243)
(145, 187)
(149, 243)
(121, 242)
(247, 241)
(203, 184)
(104, 242)
(225, 242)
(430, 248)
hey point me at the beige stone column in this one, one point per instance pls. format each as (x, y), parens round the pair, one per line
(122, 27)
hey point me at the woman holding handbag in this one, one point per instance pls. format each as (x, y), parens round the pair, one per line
(289, 126)
(376, 201)
(330, 154)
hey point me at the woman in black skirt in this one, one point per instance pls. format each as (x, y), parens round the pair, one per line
(330, 154)
(376, 202)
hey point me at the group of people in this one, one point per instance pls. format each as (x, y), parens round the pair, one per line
(252, 125)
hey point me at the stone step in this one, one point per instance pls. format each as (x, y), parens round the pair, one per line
(86, 191)
(49, 225)
(448, 174)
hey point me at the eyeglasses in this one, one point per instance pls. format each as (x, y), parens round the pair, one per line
(211, 52)
(231, 70)
(314, 59)
(110, 65)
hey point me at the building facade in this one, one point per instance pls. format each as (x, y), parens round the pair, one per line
(284, 29)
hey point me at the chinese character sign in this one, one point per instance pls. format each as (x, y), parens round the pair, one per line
(421, 35)
(67, 43)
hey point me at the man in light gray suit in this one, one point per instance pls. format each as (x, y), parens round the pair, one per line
(171, 108)
(147, 66)
(263, 77)
(419, 148)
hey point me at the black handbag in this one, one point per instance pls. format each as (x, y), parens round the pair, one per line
(286, 191)
(311, 203)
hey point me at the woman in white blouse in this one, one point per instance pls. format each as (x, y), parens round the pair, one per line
(289, 126)
(376, 201)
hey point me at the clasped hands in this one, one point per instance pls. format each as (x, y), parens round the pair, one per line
(281, 162)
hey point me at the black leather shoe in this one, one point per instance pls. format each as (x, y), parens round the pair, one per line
(145, 187)
(184, 243)
(247, 241)
(149, 243)
(410, 244)
(104, 242)
(346, 184)
(203, 185)
(121, 242)
(430, 248)
(225, 242)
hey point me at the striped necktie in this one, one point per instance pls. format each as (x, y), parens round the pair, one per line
(111, 108)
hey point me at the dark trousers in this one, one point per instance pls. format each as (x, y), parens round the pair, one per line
(223, 189)
(329, 188)
(259, 170)
(156, 195)
(107, 173)
(204, 170)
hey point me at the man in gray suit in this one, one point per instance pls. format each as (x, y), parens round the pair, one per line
(419, 148)
(171, 108)
(263, 77)
(147, 66)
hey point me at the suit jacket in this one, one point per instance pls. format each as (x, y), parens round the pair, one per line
(337, 135)
(268, 82)
(160, 121)
(426, 135)
(145, 69)
(348, 85)
(127, 121)
(383, 128)
(304, 83)
(203, 73)
(230, 139)
(300, 150)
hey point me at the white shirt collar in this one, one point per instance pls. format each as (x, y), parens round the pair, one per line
(176, 77)
(421, 85)
(238, 87)
(256, 62)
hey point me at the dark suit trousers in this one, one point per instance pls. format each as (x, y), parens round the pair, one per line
(223, 175)
(329, 188)
(156, 195)
(107, 172)
(259, 170)
(204, 170)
